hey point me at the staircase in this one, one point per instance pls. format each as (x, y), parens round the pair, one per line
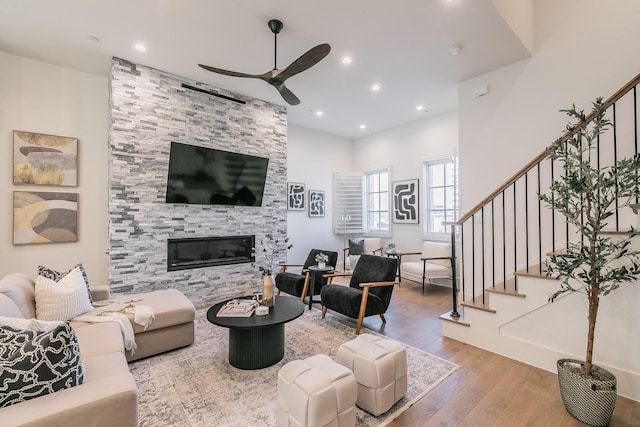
(503, 243)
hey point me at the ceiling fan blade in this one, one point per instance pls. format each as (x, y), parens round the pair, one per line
(228, 73)
(287, 95)
(307, 60)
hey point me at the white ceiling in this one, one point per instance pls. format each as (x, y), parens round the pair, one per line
(404, 46)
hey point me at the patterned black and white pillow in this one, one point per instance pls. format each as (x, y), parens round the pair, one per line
(34, 364)
(54, 275)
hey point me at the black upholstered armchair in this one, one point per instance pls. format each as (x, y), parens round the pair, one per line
(369, 291)
(298, 284)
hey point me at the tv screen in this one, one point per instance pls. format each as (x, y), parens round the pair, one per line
(206, 176)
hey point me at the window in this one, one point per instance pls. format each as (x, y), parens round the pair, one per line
(361, 202)
(347, 213)
(377, 200)
(441, 187)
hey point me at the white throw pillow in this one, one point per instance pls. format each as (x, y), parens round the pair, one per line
(62, 300)
(29, 324)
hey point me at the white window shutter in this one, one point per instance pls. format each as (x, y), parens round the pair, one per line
(347, 204)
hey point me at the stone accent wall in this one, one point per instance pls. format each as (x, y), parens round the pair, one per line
(149, 109)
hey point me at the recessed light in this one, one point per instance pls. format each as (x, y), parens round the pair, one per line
(363, 127)
(319, 113)
(375, 87)
(346, 60)
(420, 107)
(140, 47)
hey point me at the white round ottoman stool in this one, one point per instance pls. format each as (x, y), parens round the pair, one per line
(316, 392)
(380, 367)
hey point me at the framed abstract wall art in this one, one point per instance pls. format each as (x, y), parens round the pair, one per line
(316, 203)
(295, 196)
(44, 159)
(44, 217)
(405, 202)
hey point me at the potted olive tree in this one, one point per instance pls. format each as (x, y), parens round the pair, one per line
(597, 264)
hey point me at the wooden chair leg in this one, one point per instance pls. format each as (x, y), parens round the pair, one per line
(424, 273)
(305, 288)
(279, 292)
(324, 311)
(383, 319)
(363, 308)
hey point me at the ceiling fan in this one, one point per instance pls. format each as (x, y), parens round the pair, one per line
(276, 77)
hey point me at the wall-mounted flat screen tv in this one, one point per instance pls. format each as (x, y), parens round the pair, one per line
(206, 176)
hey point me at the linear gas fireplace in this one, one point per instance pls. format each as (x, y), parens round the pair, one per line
(200, 252)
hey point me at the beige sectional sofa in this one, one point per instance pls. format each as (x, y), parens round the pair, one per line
(108, 396)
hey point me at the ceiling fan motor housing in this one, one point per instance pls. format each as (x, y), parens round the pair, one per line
(275, 26)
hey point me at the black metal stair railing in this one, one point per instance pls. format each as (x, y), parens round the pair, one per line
(497, 234)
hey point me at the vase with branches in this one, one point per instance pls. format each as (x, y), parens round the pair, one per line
(271, 248)
(588, 196)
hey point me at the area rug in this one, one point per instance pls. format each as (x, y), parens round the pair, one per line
(196, 386)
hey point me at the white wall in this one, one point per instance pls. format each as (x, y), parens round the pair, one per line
(44, 98)
(519, 15)
(584, 49)
(404, 149)
(312, 159)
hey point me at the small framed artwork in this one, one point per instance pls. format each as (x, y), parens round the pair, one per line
(44, 217)
(44, 159)
(405, 202)
(296, 196)
(316, 203)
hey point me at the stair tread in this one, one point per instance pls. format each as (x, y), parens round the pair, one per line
(557, 252)
(615, 231)
(479, 305)
(459, 320)
(509, 289)
(535, 271)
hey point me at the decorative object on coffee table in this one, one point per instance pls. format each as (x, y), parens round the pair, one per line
(267, 290)
(271, 248)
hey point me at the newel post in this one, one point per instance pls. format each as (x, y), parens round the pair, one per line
(454, 287)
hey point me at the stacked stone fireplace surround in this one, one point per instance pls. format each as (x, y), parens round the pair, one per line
(150, 109)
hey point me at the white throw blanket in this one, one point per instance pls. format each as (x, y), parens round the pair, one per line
(118, 311)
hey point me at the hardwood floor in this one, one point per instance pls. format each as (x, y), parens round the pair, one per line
(487, 389)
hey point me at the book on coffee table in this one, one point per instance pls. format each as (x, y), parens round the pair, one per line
(238, 308)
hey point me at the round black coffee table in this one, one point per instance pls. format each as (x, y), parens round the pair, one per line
(258, 341)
